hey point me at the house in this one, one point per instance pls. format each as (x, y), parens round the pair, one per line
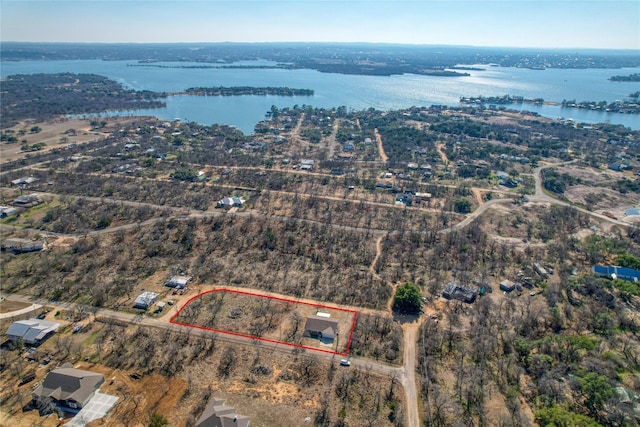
(507, 285)
(615, 272)
(454, 290)
(32, 331)
(178, 282)
(27, 201)
(20, 246)
(6, 211)
(69, 387)
(540, 269)
(321, 327)
(231, 202)
(217, 414)
(145, 300)
(509, 182)
(404, 199)
(25, 180)
(619, 166)
(502, 175)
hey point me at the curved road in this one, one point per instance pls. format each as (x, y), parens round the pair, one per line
(541, 196)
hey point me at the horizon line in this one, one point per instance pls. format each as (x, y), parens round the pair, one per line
(322, 42)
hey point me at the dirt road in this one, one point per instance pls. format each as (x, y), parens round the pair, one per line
(332, 139)
(410, 333)
(383, 155)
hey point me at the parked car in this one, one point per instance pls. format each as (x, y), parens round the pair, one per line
(345, 362)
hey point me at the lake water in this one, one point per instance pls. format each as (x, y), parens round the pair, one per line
(353, 91)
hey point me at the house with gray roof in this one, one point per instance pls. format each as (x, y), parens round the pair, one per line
(20, 246)
(145, 300)
(321, 327)
(27, 201)
(32, 331)
(69, 387)
(178, 281)
(217, 414)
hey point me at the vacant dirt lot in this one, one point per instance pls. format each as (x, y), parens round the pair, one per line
(7, 306)
(55, 134)
(263, 317)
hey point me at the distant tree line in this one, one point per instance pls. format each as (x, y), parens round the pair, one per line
(247, 90)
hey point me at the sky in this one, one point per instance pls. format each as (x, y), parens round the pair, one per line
(510, 23)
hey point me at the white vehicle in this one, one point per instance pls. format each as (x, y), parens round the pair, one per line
(345, 362)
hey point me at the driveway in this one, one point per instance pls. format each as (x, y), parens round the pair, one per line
(97, 408)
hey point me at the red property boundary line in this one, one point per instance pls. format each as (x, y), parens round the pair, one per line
(233, 291)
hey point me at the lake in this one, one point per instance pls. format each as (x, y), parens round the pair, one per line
(353, 91)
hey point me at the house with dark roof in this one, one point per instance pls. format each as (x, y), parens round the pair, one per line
(32, 331)
(507, 285)
(178, 281)
(217, 414)
(69, 387)
(321, 327)
(27, 201)
(454, 290)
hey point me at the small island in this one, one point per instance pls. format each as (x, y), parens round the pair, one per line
(630, 78)
(500, 100)
(247, 90)
(217, 67)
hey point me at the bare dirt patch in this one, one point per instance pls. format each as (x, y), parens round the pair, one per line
(601, 200)
(7, 306)
(54, 134)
